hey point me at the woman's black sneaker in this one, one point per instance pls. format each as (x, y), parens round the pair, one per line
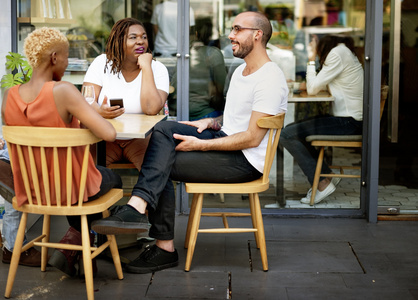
(153, 259)
(123, 220)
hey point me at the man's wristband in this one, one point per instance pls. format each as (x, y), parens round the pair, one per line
(311, 63)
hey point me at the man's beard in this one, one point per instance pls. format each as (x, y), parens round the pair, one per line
(244, 49)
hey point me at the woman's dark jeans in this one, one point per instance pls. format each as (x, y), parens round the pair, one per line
(163, 164)
(110, 180)
(293, 139)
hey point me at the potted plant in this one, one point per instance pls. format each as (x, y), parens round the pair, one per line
(20, 69)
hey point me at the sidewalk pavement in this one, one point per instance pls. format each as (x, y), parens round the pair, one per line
(309, 258)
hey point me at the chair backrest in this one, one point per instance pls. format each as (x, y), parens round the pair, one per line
(43, 153)
(275, 124)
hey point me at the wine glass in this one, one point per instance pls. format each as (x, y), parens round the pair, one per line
(88, 92)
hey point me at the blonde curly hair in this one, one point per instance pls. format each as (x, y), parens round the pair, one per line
(39, 42)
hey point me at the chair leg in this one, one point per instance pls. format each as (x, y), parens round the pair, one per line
(317, 174)
(87, 261)
(194, 230)
(260, 230)
(113, 246)
(253, 218)
(190, 220)
(17, 250)
(44, 250)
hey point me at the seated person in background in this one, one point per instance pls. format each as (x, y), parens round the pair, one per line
(11, 217)
(192, 151)
(128, 71)
(207, 76)
(48, 102)
(342, 73)
(164, 23)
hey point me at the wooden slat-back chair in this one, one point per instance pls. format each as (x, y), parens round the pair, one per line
(275, 124)
(29, 138)
(349, 141)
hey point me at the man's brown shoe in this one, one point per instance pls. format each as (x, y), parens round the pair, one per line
(30, 258)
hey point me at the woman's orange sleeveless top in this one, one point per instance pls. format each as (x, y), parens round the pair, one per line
(43, 112)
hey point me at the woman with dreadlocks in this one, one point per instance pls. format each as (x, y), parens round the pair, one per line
(128, 71)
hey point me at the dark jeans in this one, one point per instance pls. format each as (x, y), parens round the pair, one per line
(162, 163)
(110, 180)
(293, 137)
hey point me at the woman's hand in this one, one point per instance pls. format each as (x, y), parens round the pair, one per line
(201, 124)
(110, 112)
(144, 60)
(312, 48)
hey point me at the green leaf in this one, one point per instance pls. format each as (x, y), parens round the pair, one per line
(7, 81)
(14, 61)
(28, 74)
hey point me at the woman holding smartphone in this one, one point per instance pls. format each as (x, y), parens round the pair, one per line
(127, 71)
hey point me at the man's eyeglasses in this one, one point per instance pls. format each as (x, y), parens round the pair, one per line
(236, 29)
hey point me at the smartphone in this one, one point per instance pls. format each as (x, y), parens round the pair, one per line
(118, 101)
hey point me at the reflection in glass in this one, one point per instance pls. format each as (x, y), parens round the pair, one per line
(207, 75)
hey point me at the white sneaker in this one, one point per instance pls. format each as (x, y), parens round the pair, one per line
(273, 205)
(336, 180)
(319, 195)
(307, 197)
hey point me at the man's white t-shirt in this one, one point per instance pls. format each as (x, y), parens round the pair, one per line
(263, 91)
(115, 86)
(165, 16)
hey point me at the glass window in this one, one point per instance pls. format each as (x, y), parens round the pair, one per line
(295, 24)
(398, 148)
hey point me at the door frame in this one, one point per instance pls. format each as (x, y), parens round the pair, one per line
(371, 111)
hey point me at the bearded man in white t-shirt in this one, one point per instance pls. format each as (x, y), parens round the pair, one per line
(197, 152)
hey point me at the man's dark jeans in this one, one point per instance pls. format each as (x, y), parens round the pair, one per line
(163, 164)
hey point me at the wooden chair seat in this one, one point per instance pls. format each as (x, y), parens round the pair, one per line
(122, 165)
(26, 140)
(334, 138)
(255, 186)
(88, 208)
(275, 124)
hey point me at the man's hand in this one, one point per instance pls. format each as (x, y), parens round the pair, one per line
(110, 112)
(188, 143)
(199, 124)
